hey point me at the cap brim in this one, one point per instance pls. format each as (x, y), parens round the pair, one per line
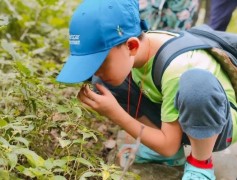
(80, 68)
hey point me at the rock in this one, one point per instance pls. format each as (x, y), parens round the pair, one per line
(157, 171)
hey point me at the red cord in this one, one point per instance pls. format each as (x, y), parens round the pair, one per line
(129, 86)
(138, 104)
(140, 95)
(128, 100)
(129, 91)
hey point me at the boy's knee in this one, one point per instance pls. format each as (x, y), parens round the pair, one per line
(202, 103)
(198, 89)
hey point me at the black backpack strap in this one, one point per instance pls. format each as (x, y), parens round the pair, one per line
(223, 40)
(171, 49)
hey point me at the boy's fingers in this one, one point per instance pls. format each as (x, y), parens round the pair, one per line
(88, 97)
(88, 102)
(91, 94)
(82, 94)
(102, 89)
(85, 99)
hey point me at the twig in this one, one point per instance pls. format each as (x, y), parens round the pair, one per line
(132, 154)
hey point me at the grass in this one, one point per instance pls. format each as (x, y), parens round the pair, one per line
(232, 27)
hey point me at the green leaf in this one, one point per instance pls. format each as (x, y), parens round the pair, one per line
(57, 178)
(78, 141)
(69, 158)
(115, 176)
(39, 50)
(3, 162)
(29, 173)
(105, 175)
(10, 49)
(4, 142)
(58, 170)
(3, 20)
(60, 163)
(31, 116)
(57, 21)
(38, 172)
(4, 174)
(95, 137)
(23, 69)
(46, 2)
(87, 174)
(63, 109)
(22, 140)
(12, 157)
(88, 135)
(34, 159)
(84, 161)
(64, 143)
(3, 123)
(20, 168)
(78, 111)
(63, 134)
(49, 163)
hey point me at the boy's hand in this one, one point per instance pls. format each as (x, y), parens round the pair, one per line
(104, 103)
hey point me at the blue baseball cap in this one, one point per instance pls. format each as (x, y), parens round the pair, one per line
(96, 27)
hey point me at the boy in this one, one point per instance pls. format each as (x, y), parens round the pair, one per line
(106, 39)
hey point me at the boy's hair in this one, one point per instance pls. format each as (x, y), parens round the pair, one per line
(96, 27)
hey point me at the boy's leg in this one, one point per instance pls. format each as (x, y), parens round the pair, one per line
(204, 115)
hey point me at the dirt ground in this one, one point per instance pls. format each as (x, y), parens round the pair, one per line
(225, 164)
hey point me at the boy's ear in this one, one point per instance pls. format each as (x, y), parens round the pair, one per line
(133, 44)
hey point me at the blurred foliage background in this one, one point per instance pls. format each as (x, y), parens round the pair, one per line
(45, 133)
(232, 27)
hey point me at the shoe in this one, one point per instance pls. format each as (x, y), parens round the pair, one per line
(194, 173)
(146, 155)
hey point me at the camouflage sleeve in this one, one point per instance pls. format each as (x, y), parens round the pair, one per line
(169, 14)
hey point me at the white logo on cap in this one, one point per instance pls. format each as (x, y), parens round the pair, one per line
(120, 31)
(74, 39)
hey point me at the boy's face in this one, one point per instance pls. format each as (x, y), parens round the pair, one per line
(116, 66)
